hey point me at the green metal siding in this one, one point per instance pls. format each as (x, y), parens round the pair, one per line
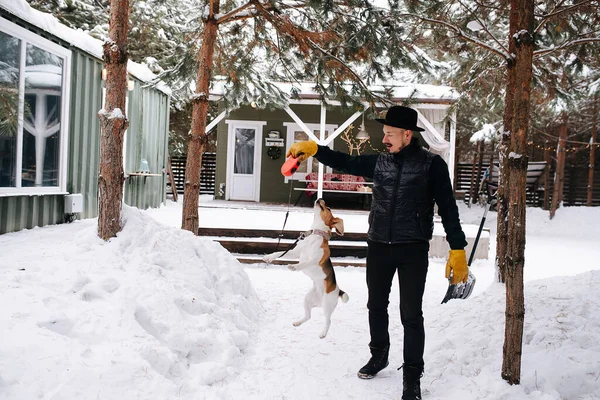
(147, 137)
(84, 131)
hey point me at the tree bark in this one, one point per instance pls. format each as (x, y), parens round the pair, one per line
(559, 174)
(503, 146)
(590, 188)
(113, 122)
(199, 112)
(547, 176)
(517, 164)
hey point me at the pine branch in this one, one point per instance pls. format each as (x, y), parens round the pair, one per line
(231, 15)
(357, 78)
(460, 33)
(484, 27)
(544, 52)
(552, 14)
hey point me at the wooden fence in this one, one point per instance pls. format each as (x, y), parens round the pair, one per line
(207, 173)
(575, 186)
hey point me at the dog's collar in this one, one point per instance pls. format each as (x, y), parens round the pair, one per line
(326, 235)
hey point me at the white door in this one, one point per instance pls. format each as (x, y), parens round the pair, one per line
(244, 152)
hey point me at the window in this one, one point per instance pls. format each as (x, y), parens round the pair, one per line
(296, 134)
(33, 113)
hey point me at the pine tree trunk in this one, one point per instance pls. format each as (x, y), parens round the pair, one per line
(504, 174)
(199, 112)
(547, 176)
(113, 122)
(590, 188)
(517, 164)
(559, 174)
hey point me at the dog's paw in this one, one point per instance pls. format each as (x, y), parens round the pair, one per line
(297, 323)
(269, 258)
(322, 335)
(292, 267)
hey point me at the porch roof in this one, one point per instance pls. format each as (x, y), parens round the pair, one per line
(400, 91)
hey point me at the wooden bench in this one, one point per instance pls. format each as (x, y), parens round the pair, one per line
(535, 169)
(342, 184)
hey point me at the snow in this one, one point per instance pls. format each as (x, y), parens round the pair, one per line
(397, 90)
(76, 37)
(487, 133)
(116, 113)
(158, 313)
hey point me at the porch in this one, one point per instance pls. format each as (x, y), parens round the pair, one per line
(249, 230)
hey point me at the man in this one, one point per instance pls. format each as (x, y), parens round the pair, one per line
(407, 180)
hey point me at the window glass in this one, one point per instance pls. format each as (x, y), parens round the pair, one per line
(244, 151)
(41, 121)
(9, 108)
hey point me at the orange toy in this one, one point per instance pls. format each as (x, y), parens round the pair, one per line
(290, 166)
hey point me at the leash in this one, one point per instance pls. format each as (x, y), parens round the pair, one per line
(287, 214)
(302, 235)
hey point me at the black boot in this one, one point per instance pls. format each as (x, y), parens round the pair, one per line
(411, 383)
(378, 361)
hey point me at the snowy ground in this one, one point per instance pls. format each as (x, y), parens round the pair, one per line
(160, 314)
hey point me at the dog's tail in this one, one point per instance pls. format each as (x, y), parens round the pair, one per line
(344, 296)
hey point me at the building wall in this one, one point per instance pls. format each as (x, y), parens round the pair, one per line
(147, 136)
(273, 187)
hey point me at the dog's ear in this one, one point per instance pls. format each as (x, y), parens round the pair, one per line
(338, 224)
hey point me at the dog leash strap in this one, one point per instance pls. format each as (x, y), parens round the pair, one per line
(287, 213)
(302, 235)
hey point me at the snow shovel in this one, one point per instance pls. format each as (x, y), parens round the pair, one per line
(463, 290)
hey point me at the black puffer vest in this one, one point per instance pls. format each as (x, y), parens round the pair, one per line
(402, 207)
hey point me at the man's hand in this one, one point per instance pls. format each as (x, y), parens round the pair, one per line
(303, 150)
(457, 262)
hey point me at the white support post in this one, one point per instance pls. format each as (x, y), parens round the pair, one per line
(215, 122)
(322, 140)
(342, 127)
(452, 160)
(301, 124)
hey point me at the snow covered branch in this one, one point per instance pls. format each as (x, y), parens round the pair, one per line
(544, 52)
(552, 14)
(485, 29)
(237, 14)
(460, 33)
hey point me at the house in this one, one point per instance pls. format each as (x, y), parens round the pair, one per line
(252, 143)
(51, 88)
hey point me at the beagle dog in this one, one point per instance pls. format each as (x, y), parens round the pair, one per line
(313, 254)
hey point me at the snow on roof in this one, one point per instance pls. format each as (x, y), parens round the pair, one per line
(76, 37)
(399, 91)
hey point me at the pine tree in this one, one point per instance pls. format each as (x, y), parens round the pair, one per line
(113, 123)
(341, 46)
(518, 42)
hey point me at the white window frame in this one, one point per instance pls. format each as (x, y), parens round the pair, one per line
(292, 127)
(28, 37)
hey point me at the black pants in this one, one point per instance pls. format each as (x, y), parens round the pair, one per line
(411, 261)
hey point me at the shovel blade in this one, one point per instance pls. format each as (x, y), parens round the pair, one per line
(460, 290)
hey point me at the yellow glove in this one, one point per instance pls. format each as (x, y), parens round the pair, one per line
(303, 150)
(457, 262)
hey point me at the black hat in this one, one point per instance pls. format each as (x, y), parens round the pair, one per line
(401, 117)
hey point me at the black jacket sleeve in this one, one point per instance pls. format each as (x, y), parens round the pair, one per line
(447, 208)
(363, 165)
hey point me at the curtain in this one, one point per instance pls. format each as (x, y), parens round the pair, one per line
(433, 120)
(244, 151)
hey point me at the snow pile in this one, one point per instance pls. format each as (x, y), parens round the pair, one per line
(153, 312)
